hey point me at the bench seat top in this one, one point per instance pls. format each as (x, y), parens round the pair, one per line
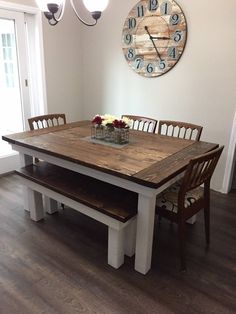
(111, 200)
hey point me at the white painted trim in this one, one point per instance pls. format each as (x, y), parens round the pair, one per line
(39, 24)
(19, 7)
(22, 57)
(36, 65)
(230, 162)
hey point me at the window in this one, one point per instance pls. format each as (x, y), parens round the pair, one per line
(8, 46)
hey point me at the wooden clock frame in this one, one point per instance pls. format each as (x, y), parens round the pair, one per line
(154, 36)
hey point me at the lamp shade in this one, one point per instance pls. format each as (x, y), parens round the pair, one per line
(43, 4)
(95, 5)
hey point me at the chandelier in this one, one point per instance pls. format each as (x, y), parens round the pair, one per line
(54, 9)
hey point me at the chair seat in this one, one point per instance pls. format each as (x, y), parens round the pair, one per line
(168, 199)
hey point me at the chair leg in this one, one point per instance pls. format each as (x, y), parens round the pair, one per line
(207, 224)
(181, 231)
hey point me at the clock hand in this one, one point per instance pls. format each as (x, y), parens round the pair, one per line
(158, 54)
(162, 38)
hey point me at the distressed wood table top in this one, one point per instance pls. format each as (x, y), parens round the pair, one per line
(149, 159)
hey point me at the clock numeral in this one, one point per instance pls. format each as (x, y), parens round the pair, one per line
(173, 53)
(153, 5)
(178, 36)
(130, 54)
(150, 68)
(132, 22)
(138, 63)
(128, 39)
(175, 19)
(166, 7)
(140, 10)
(162, 65)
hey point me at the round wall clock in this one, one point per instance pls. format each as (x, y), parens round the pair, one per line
(154, 36)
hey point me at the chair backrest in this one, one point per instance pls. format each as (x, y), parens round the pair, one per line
(46, 121)
(142, 123)
(200, 170)
(180, 129)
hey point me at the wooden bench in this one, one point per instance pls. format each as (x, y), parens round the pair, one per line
(111, 205)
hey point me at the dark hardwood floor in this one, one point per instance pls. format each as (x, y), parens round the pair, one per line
(59, 265)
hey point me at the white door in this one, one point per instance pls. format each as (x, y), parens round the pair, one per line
(14, 94)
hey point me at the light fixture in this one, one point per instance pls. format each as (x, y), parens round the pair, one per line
(54, 9)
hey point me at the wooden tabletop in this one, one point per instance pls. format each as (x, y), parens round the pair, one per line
(149, 159)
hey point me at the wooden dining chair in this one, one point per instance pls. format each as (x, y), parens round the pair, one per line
(46, 121)
(142, 123)
(180, 129)
(185, 198)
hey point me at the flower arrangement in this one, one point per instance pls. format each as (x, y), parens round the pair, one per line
(111, 129)
(108, 120)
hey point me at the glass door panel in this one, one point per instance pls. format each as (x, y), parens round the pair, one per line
(11, 112)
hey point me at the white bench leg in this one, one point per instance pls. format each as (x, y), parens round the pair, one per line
(51, 206)
(130, 238)
(115, 247)
(26, 198)
(35, 203)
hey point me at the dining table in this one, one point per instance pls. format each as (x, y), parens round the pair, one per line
(146, 165)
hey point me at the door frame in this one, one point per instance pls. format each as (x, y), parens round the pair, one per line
(231, 160)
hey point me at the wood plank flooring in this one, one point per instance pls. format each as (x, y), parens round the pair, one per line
(59, 265)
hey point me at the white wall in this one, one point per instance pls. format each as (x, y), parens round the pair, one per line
(25, 2)
(62, 46)
(200, 89)
(63, 61)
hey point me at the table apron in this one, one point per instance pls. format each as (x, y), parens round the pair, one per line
(121, 182)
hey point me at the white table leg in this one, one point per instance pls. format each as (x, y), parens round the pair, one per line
(144, 238)
(25, 160)
(115, 247)
(51, 206)
(130, 238)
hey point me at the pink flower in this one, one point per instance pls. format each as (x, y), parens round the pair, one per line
(119, 124)
(97, 120)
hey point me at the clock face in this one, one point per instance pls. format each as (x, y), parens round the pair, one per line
(154, 36)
